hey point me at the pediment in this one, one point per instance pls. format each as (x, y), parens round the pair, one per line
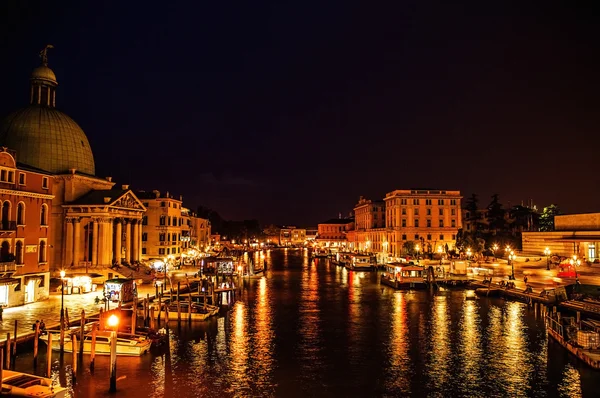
(128, 201)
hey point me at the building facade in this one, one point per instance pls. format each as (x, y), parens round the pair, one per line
(333, 233)
(162, 226)
(25, 201)
(427, 218)
(370, 229)
(292, 236)
(574, 234)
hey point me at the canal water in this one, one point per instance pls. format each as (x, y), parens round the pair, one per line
(311, 329)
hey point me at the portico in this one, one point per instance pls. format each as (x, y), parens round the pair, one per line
(103, 227)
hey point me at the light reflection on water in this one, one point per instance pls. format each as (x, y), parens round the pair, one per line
(310, 328)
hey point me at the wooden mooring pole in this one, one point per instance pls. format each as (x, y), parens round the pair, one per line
(14, 350)
(81, 334)
(8, 349)
(93, 347)
(35, 343)
(113, 362)
(178, 302)
(49, 355)
(74, 367)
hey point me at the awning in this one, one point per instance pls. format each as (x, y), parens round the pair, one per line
(9, 281)
(38, 278)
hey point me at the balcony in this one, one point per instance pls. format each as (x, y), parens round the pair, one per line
(8, 226)
(8, 266)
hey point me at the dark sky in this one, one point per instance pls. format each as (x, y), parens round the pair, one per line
(289, 111)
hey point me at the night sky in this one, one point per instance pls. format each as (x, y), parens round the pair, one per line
(289, 111)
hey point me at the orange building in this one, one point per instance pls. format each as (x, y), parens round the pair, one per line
(26, 196)
(333, 232)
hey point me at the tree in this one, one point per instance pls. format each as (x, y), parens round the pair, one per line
(524, 218)
(473, 215)
(547, 218)
(408, 247)
(495, 215)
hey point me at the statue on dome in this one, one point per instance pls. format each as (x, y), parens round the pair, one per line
(44, 54)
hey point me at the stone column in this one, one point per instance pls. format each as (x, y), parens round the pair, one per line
(128, 241)
(118, 240)
(94, 241)
(76, 241)
(69, 241)
(109, 241)
(102, 242)
(140, 240)
(136, 240)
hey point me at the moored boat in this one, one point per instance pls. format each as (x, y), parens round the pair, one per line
(584, 344)
(195, 312)
(127, 344)
(17, 384)
(361, 262)
(403, 276)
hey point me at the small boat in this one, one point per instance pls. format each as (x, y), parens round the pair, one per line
(199, 311)
(404, 276)
(127, 344)
(17, 384)
(361, 262)
(584, 344)
(320, 253)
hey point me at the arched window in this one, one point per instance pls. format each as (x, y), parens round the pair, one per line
(44, 215)
(21, 214)
(42, 254)
(5, 215)
(19, 252)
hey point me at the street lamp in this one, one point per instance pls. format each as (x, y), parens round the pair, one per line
(494, 248)
(62, 296)
(440, 251)
(417, 250)
(547, 253)
(575, 262)
(511, 260)
(113, 322)
(468, 253)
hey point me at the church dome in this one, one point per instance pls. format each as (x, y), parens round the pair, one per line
(47, 139)
(43, 136)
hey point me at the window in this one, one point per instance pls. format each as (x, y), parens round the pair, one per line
(453, 237)
(416, 212)
(21, 213)
(45, 182)
(453, 212)
(403, 201)
(44, 215)
(161, 237)
(161, 251)
(168, 250)
(169, 220)
(417, 223)
(441, 223)
(11, 176)
(403, 223)
(428, 236)
(145, 220)
(42, 253)
(403, 236)
(144, 236)
(428, 202)
(21, 178)
(163, 220)
(428, 223)
(441, 237)
(441, 212)
(19, 252)
(416, 236)
(162, 204)
(428, 212)
(415, 201)
(453, 202)
(441, 202)
(453, 223)
(143, 250)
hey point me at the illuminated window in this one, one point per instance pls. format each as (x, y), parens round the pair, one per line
(417, 223)
(441, 223)
(428, 223)
(45, 182)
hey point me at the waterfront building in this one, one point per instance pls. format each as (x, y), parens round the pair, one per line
(332, 233)
(370, 230)
(201, 227)
(25, 200)
(574, 234)
(292, 236)
(162, 225)
(92, 222)
(311, 234)
(428, 218)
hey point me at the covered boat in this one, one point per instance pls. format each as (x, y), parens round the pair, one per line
(127, 344)
(17, 384)
(403, 276)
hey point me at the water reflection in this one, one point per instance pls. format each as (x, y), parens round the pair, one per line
(313, 329)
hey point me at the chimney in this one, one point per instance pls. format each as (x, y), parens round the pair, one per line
(109, 179)
(72, 171)
(107, 199)
(124, 187)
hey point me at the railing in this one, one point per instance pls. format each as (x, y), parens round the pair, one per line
(9, 266)
(8, 226)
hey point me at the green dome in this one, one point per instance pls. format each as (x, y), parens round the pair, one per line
(47, 139)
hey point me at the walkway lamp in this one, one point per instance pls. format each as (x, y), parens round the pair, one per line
(440, 251)
(468, 253)
(575, 262)
(417, 250)
(511, 259)
(547, 253)
(494, 248)
(62, 296)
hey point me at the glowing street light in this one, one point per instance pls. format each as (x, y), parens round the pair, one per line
(417, 250)
(468, 252)
(575, 262)
(113, 321)
(511, 259)
(494, 248)
(440, 251)
(547, 254)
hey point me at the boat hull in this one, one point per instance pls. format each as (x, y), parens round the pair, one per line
(124, 348)
(17, 384)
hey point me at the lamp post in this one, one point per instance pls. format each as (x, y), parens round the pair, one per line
(494, 248)
(511, 260)
(440, 251)
(417, 250)
(165, 273)
(468, 253)
(113, 321)
(547, 253)
(575, 262)
(62, 311)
